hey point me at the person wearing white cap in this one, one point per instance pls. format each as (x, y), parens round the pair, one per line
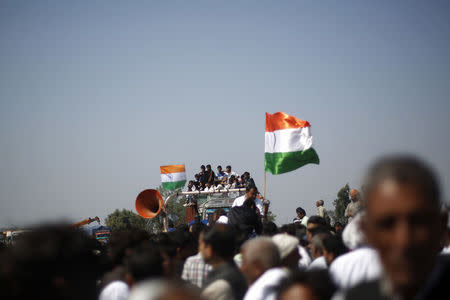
(288, 247)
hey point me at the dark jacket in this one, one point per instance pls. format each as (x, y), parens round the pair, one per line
(231, 274)
(244, 219)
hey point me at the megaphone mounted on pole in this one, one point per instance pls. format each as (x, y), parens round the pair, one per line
(149, 203)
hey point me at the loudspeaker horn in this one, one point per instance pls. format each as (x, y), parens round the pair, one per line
(149, 203)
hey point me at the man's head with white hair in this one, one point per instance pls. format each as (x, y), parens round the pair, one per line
(258, 255)
(288, 247)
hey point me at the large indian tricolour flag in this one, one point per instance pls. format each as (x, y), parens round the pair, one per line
(288, 143)
(173, 176)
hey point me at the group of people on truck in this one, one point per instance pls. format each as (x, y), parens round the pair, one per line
(208, 180)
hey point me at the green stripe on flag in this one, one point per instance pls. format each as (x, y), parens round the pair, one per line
(282, 162)
(173, 185)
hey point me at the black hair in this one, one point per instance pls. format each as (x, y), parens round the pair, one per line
(202, 167)
(222, 240)
(144, 262)
(196, 229)
(47, 253)
(208, 166)
(181, 237)
(319, 282)
(121, 241)
(228, 167)
(219, 166)
(269, 228)
(288, 228)
(300, 230)
(335, 245)
(405, 169)
(300, 210)
(319, 230)
(251, 186)
(317, 220)
(166, 244)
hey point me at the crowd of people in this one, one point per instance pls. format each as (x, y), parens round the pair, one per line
(394, 247)
(208, 180)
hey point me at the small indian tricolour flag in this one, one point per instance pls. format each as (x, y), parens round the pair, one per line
(288, 143)
(173, 176)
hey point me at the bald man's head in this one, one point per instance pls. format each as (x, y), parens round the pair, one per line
(404, 169)
(258, 255)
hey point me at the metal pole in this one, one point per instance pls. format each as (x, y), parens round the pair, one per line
(264, 185)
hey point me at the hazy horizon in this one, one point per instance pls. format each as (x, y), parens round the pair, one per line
(95, 96)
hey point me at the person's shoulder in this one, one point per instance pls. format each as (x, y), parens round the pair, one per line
(240, 198)
(368, 290)
(118, 288)
(218, 289)
(318, 263)
(276, 272)
(194, 258)
(355, 256)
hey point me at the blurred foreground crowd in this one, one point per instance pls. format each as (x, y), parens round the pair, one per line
(395, 246)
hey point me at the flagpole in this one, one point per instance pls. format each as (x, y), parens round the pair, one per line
(264, 185)
(266, 202)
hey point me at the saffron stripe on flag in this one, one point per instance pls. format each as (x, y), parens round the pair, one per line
(281, 120)
(172, 169)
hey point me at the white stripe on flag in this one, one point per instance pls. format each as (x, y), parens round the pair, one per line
(173, 177)
(288, 140)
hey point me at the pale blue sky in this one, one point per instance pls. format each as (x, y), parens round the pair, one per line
(96, 95)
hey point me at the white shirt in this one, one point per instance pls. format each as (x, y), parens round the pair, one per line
(239, 201)
(353, 236)
(263, 287)
(228, 175)
(354, 267)
(116, 290)
(193, 189)
(303, 221)
(321, 211)
(305, 259)
(210, 189)
(318, 264)
(222, 220)
(230, 186)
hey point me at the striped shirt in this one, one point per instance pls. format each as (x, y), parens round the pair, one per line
(195, 270)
